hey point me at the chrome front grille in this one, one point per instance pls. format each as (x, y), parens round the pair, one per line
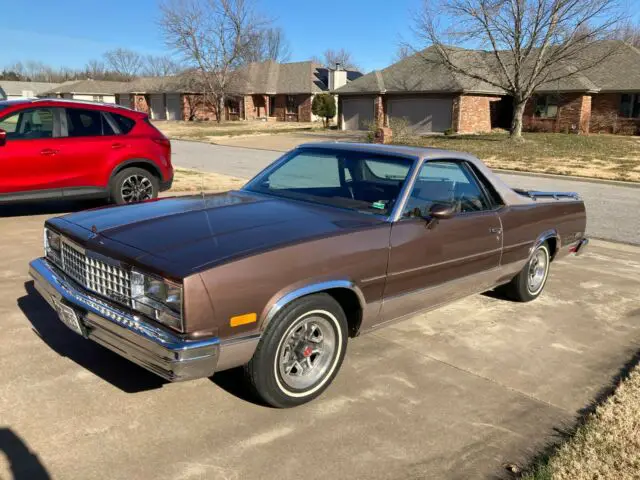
(110, 281)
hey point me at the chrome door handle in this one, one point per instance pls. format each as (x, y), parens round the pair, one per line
(495, 230)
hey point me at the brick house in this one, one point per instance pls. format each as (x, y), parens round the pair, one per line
(264, 90)
(431, 98)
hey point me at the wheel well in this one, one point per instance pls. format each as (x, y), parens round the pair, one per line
(552, 242)
(350, 303)
(144, 165)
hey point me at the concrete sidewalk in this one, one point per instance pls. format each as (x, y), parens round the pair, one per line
(455, 393)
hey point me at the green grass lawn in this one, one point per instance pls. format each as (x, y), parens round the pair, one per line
(599, 156)
(605, 446)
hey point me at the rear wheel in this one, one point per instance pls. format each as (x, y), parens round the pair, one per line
(133, 185)
(300, 352)
(530, 282)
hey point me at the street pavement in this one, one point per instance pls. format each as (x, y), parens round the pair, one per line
(613, 211)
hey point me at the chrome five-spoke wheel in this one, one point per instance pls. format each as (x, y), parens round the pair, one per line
(300, 351)
(306, 351)
(538, 269)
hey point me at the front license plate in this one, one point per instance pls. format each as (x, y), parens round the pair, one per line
(68, 316)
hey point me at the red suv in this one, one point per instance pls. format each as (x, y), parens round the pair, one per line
(61, 149)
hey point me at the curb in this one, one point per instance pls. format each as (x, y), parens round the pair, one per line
(571, 178)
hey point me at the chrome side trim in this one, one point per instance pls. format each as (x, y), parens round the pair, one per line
(543, 237)
(160, 351)
(308, 290)
(406, 190)
(432, 265)
(237, 351)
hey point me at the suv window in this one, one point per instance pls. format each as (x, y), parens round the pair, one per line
(87, 123)
(29, 124)
(125, 124)
(445, 182)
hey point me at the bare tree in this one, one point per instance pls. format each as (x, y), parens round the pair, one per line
(215, 37)
(160, 66)
(275, 45)
(402, 52)
(529, 42)
(95, 69)
(630, 33)
(123, 61)
(332, 57)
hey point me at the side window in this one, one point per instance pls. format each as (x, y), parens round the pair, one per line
(387, 170)
(448, 183)
(86, 123)
(307, 170)
(125, 124)
(29, 124)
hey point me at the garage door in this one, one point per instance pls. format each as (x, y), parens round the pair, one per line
(124, 100)
(174, 112)
(158, 111)
(357, 113)
(424, 115)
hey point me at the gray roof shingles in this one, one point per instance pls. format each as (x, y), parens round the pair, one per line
(423, 73)
(17, 88)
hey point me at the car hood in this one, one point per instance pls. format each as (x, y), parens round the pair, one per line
(189, 234)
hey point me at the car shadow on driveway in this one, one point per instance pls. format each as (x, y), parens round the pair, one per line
(48, 207)
(109, 366)
(234, 383)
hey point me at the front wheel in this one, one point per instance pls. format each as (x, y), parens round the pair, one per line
(300, 352)
(530, 282)
(133, 185)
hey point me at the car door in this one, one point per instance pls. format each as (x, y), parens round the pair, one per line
(435, 261)
(29, 156)
(88, 144)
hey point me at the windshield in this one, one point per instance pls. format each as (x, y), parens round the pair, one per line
(347, 179)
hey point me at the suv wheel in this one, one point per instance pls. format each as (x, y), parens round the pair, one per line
(133, 185)
(300, 352)
(530, 282)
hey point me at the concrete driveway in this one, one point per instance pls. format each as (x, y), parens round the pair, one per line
(612, 209)
(452, 394)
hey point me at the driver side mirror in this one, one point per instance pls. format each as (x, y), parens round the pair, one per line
(439, 211)
(3, 137)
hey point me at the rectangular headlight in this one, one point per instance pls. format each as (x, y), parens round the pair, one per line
(157, 298)
(52, 245)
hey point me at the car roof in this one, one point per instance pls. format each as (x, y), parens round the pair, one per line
(65, 101)
(397, 150)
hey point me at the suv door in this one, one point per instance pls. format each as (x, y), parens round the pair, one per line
(90, 145)
(432, 262)
(30, 157)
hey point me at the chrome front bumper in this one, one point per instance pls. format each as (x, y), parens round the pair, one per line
(160, 351)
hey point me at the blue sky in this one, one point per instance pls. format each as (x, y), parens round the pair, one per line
(71, 32)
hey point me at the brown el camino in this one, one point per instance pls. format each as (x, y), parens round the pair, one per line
(329, 242)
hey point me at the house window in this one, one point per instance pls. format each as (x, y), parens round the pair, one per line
(546, 106)
(98, 98)
(233, 106)
(292, 106)
(630, 105)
